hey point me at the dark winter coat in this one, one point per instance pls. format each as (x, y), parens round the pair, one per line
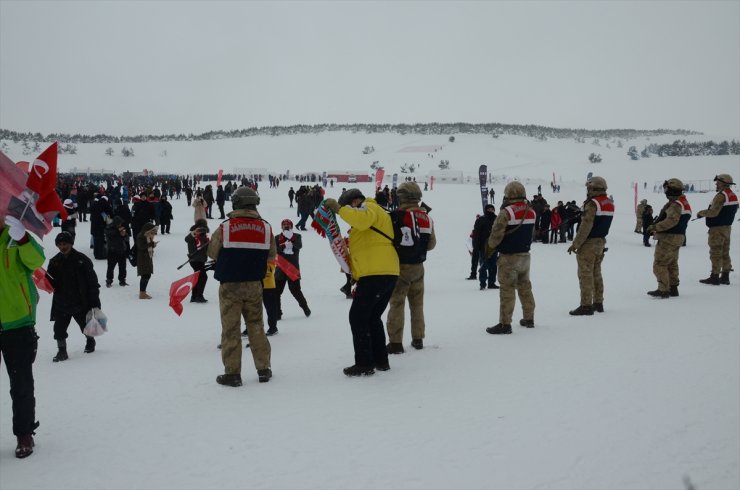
(195, 252)
(99, 211)
(144, 261)
(143, 212)
(166, 212)
(482, 230)
(124, 212)
(76, 288)
(280, 242)
(117, 243)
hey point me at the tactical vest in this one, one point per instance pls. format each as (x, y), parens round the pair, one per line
(519, 229)
(246, 245)
(680, 228)
(604, 216)
(413, 229)
(727, 214)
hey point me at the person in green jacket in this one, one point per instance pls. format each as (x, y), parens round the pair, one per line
(20, 255)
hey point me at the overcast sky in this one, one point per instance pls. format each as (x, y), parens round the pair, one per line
(135, 67)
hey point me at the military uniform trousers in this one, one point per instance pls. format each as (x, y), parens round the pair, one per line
(237, 299)
(665, 260)
(513, 277)
(589, 258)
(410, 285)
(719, 249)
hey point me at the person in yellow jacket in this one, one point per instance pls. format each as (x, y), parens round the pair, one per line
(270, 298)
(375, 267)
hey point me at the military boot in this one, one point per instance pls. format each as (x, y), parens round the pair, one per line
(582, 310)
(713, 279)
(229, 379)
(660, 294)
(526, 323)
(724, 278)
(356, 370)
(599, 307)
(673, 291)
(62, 354)
(499, 329)
(417, 344)
(264, 375)
(394, 348)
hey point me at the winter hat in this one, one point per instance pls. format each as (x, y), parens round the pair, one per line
(409, 191)
(68, 203)
(64, 237)
(117, 221)
(491, 207)
(148, 227)
(286, 222)
(350, 195)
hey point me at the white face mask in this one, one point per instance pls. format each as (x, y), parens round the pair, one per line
(288, 234)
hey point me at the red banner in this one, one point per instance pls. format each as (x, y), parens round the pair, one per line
(220, 176)
(288, 269)
(379, 174)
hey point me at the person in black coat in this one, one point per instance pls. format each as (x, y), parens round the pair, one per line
(142, 212)
(100, 213)
(220, 199)
(289, 245)
(165, 216)
(647, 220)
(124, 212)
(76, 292)
(545, 218)
(197, 241)
(481, 231)
(118, 248)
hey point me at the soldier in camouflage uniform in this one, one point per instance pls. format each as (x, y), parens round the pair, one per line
(669, 230)
(589, 243)
(639, 212)
(411, 279)
(719, 217)
(242, 247)
(511, 236)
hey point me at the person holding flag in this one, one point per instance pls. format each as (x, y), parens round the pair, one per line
(21, 255)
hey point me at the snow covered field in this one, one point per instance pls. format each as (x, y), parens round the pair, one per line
(641, 396)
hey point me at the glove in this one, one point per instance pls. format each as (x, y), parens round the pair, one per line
(701, 214)
(332, 204)
(288, 248)
(16, 230)
(572, 249)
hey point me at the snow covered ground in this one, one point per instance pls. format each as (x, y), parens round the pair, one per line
(644, 395)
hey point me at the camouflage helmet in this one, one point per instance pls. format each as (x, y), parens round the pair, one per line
(409, 191)
(596, 183)
(514, 190)
(725, 179)
(244, 197)
(673, 187)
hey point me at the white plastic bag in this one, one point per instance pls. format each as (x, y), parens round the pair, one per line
(97, 323)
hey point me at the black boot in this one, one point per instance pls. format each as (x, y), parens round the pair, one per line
(583, 310)
(673, 291)
(25, 446)
(62, 354)
(90, 345)
(306, 310)
(526, 323)
(499, 329)
(599, 307)
(724, 278)
(271, 331)
(713, 279)
(417, 344)
(229, 379)
(356, 370)
(660, 294)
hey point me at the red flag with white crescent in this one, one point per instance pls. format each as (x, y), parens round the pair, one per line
(41, 281)
(180, 289)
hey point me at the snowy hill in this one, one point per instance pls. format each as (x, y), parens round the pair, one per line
(641, 396)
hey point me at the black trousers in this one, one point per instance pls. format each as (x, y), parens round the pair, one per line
(144, 282)
(202, 279)
(18, 349)
(295, 289)
(61, 324)
(372, 295)
(270, 300)
(113, 261)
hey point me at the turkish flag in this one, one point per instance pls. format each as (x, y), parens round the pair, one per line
(42, 179)
(180, 289)
(41, 281)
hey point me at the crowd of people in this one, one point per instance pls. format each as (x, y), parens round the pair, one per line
(388, 245)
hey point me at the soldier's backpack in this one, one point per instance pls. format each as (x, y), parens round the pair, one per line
(411, 232)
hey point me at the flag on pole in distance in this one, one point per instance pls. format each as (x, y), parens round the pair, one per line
(180, 289)
(379, 174)
(41, 281)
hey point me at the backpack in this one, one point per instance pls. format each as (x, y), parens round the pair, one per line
(411, 232)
